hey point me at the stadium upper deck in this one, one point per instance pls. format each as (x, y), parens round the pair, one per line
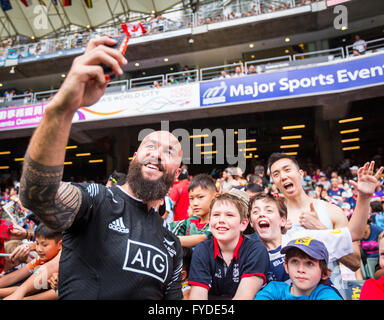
(308, 27)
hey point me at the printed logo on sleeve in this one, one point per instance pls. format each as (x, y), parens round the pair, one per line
(146, 259)
(304, 241)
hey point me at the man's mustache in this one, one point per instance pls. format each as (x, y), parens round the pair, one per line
(156, 163)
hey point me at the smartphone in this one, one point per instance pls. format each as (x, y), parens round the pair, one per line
(121, 45)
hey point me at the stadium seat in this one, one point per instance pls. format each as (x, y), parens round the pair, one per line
(352, 289)
(368, 268)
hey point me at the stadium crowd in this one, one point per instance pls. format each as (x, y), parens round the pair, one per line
(26, 244)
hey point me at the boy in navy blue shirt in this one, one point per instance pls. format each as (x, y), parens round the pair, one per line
(230, 265)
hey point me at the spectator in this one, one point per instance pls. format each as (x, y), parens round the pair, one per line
(156, 84)
(13, 263)
(186, 74)
(229, 180)
(353, 172)
(27, 290)
(172, 80)
(195, 229)
(116, 178)
(252, 189)
(379, 192)
(305, 261)
(187, 257)
(373, 289)
(180, 196)
(304, 212)
(352, 200)
(318, 191)
(256, 179)
(335, 192)
(79, 40)
(224, 75)
(251, 69)
(359, 46)
(48, 245)
(8, 231)
(377, 213)
(324, 181)
(260, 171)
(239, 177)
(368, 243)
(168, 214)
(268, 218)
(238, 72)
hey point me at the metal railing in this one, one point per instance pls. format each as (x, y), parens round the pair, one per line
(372, 46)
(222, 72)
(156, 81)
(117, 86)
(262, 65)
(186, 76)
(332, 54)
(154, 25)
(43, 95)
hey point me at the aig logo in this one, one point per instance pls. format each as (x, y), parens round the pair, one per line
(146, 259)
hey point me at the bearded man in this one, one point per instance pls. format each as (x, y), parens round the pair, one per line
(115, 245)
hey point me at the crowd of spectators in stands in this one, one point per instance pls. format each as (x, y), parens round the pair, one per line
(10, 49)
(181, 209)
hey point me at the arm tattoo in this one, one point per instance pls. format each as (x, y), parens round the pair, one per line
(56, 203)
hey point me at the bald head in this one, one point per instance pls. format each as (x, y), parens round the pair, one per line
(168, 147)
(155, 166)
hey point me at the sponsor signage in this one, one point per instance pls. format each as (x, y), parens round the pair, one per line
(321, 79)
(146, 259)
(120, 105)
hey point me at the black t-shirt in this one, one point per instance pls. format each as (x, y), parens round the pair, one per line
(117, 249)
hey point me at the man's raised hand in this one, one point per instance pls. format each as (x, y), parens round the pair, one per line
(366, 180)
(85, 83)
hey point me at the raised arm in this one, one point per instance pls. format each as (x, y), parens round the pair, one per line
(56, 203)
(37, 282)
(365, 185)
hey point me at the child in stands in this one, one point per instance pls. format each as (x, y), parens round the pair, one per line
(48, 245)
(229, 266)
(373, 289)
(195, 229)
(306, 263)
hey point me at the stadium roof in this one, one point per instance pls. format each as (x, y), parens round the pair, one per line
(38, 18)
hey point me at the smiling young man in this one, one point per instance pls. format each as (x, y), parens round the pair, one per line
(133, 246)
(305, 212)
(268, 218)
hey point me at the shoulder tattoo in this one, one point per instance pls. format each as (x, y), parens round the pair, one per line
(56, 203)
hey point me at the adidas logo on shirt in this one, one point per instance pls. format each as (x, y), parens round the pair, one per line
(118, 226)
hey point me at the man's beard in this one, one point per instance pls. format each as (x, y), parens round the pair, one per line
(147, 190)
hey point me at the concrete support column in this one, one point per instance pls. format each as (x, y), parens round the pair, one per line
(121, 149)
(327, 133)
